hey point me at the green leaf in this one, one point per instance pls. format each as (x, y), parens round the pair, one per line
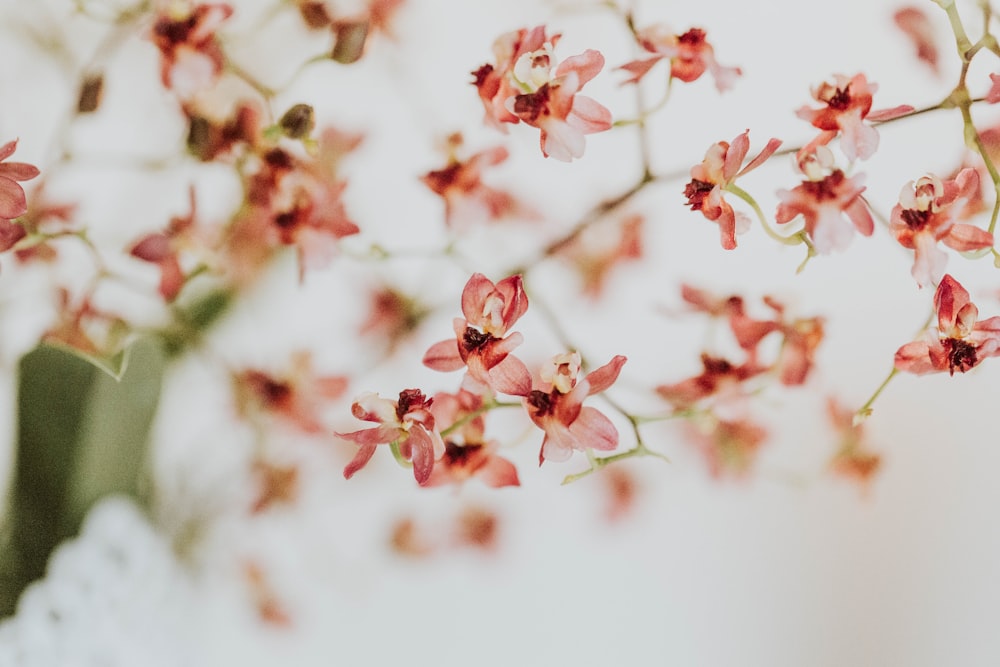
(82, 435)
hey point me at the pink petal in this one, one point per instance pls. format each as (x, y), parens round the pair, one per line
(477, 289)
(558, 444)
(372, 436)
(12, 200)
(511, 377)
(444, 356)
(589, 115)
(915, 358)
(638, 69)
(603, 377)
(965, 237)
(359, 461)
(587, 65)
(498, 472)
(561, 141)
(889, 114)
(949, 299)
(768, 151)
(18, 171)
(734, 156)
(8, 149)
(928, 260)
(594, 430)
(422, 449)
(859, 141)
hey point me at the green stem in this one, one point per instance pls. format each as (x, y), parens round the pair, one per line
(794, 239)
(865, 410)
(481, 410)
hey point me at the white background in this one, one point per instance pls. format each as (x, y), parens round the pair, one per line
(788, 567)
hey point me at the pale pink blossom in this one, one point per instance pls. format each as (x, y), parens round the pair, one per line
(962, 340)
(407, 422)
(926, 214)
(482, 345)
(557, 408)
(914, 23)
(829, 201)
(191, 59)
(848, 103)
(690, 56)
(709, 180)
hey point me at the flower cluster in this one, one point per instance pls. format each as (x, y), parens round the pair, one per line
(526, 85)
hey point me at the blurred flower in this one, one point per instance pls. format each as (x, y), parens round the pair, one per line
(190, 56)
(467, 452)
(276, 484)
(729, 447)
(915, 24)
(600, 248)
(296, 398)
(853, 459)
(690, 56)
(467, 199)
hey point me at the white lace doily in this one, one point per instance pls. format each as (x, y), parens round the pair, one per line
(114, 596)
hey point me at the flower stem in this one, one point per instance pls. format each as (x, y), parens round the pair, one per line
(794, 239)
(865, 410)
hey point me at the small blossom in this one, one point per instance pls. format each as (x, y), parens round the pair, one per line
(191, 59)
(720, 387)
(962, 341)
(13, 202)
(525, 85)
(276, 484)
(848, 103)
(466, 198)
(557, 408)
(297, 398)
(926, 214)
(481, 344)
(853, 459)
(407, 422)
(729, 447)
(392, 315)
(601, 247)
(690, 56)
(467, 453)
(830, 203)
(915, 24)
(477, 527)
(163, 250)
(798, 350)
(719, 169)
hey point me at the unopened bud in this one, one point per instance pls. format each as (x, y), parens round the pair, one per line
(90, 93)
(350, 41)
(298, 122)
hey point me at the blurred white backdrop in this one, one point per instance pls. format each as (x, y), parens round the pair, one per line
(789, 567)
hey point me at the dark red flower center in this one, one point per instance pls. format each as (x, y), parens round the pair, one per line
(409, 399)
(541, 401)
(915, 219)
(693, 37)
(696, 191)
(841, 99)
(530, 107)
(961, 354)
(826, 188)
(460, 456)
(473, 339)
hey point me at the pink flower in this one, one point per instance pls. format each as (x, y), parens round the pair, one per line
(560, 413)
(467, 453)
(690, 56)
(848, 103)
(729, 446)
(407, 422)
(993, 96)
(720, 387)
(602, 247)
(13, 203)
(526, 86)
(829, 201)
(961, 342)
(801, 339)
(190, 56)
(296, 398)
(853, 459)
(926, 214)
(466, 197)
(914, 22)
(163, 249)
(480, 345)
(719, 169)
